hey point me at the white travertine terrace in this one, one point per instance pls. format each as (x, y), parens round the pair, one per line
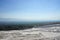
(49, 33)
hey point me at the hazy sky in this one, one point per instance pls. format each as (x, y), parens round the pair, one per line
(30, 9)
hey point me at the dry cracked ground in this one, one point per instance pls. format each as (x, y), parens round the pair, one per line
(46, 33)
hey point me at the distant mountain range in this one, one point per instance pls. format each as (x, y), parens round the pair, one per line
(20, 20)
(8, 19)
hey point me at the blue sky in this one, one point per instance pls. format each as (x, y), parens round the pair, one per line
(30, 9)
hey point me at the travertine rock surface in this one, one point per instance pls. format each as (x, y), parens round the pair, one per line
(49, 33)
